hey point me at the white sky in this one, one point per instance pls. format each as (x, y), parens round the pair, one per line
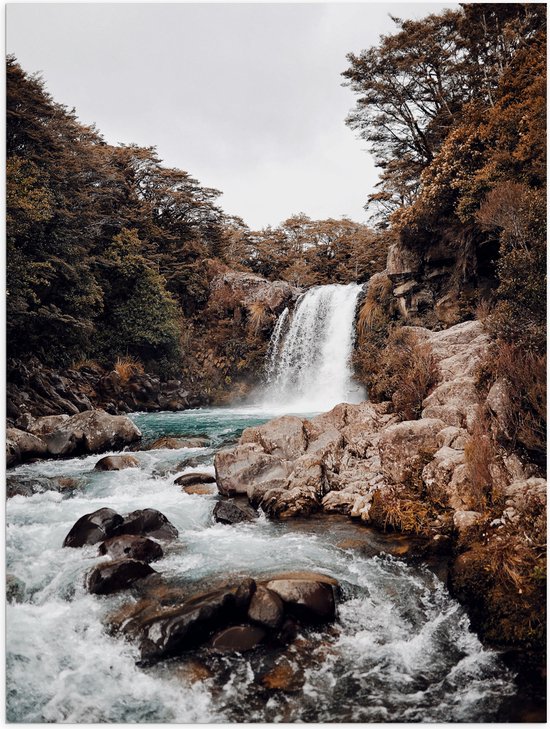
(246, 97)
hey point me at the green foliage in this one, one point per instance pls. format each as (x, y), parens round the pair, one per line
(105, 246)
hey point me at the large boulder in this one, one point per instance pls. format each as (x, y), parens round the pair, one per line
(92, 431)
(282, 437)
(45, 424)
(21, 446)
(148, 522)
(93, 528)
(405, 447)
(246, 466)
(310, 600)
(117, 575)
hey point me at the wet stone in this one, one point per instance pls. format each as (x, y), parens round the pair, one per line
(238, 639)
(128, 546)
(93, 528)
(284, 676)
(189, 479)
(307, 600)
(148, 522)
(230, 512)
(116, 463)
(266, 608)
(15, 589)
(118, 575)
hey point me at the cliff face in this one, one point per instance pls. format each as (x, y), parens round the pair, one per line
(439, 283)
(224, 349)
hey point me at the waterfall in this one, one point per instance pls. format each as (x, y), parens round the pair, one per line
(309, 359)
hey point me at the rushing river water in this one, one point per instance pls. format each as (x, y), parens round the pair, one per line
(400, 650)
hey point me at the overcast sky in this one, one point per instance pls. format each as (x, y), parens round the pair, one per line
(245, 97)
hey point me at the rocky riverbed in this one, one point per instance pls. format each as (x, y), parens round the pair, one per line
(397, 646)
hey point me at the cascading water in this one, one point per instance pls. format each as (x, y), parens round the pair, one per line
(309, 363)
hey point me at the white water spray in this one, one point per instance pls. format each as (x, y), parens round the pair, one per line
(309, 366)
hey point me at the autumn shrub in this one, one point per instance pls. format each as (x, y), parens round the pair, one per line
(375, 310)
(405, 372)
(524, 374)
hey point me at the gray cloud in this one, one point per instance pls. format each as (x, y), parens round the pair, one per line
(246, 97)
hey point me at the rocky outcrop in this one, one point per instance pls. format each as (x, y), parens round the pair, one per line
(247, 289)
(430, 279)
(92, 431)
(289, 465)
(35, 392)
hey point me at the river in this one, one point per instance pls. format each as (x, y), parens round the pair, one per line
(400, 650)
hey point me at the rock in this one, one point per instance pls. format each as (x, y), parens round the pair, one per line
(339, 502)
(15, 589)
(248, 467)
(282, 437)
(116, 463)
(438, 477)
(147, 522)
(266, 608)
(128, 546)
(405, 447)
(247, 288)
(21, 446)
(463, 520)
(93, 528)
(189, 479)
(238, 639)
(498, 402)
(173, 630)
(453, 437)
(172, 443)
(201, 489)
(230, 512)
(92, 431)
(46, 424)
(308, 600)
(118, 575)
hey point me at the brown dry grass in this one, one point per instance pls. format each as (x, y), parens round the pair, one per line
(375, 310)
(400, 512)
(480, 453)
(257, 317)
(127, 367)
(524, 373)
